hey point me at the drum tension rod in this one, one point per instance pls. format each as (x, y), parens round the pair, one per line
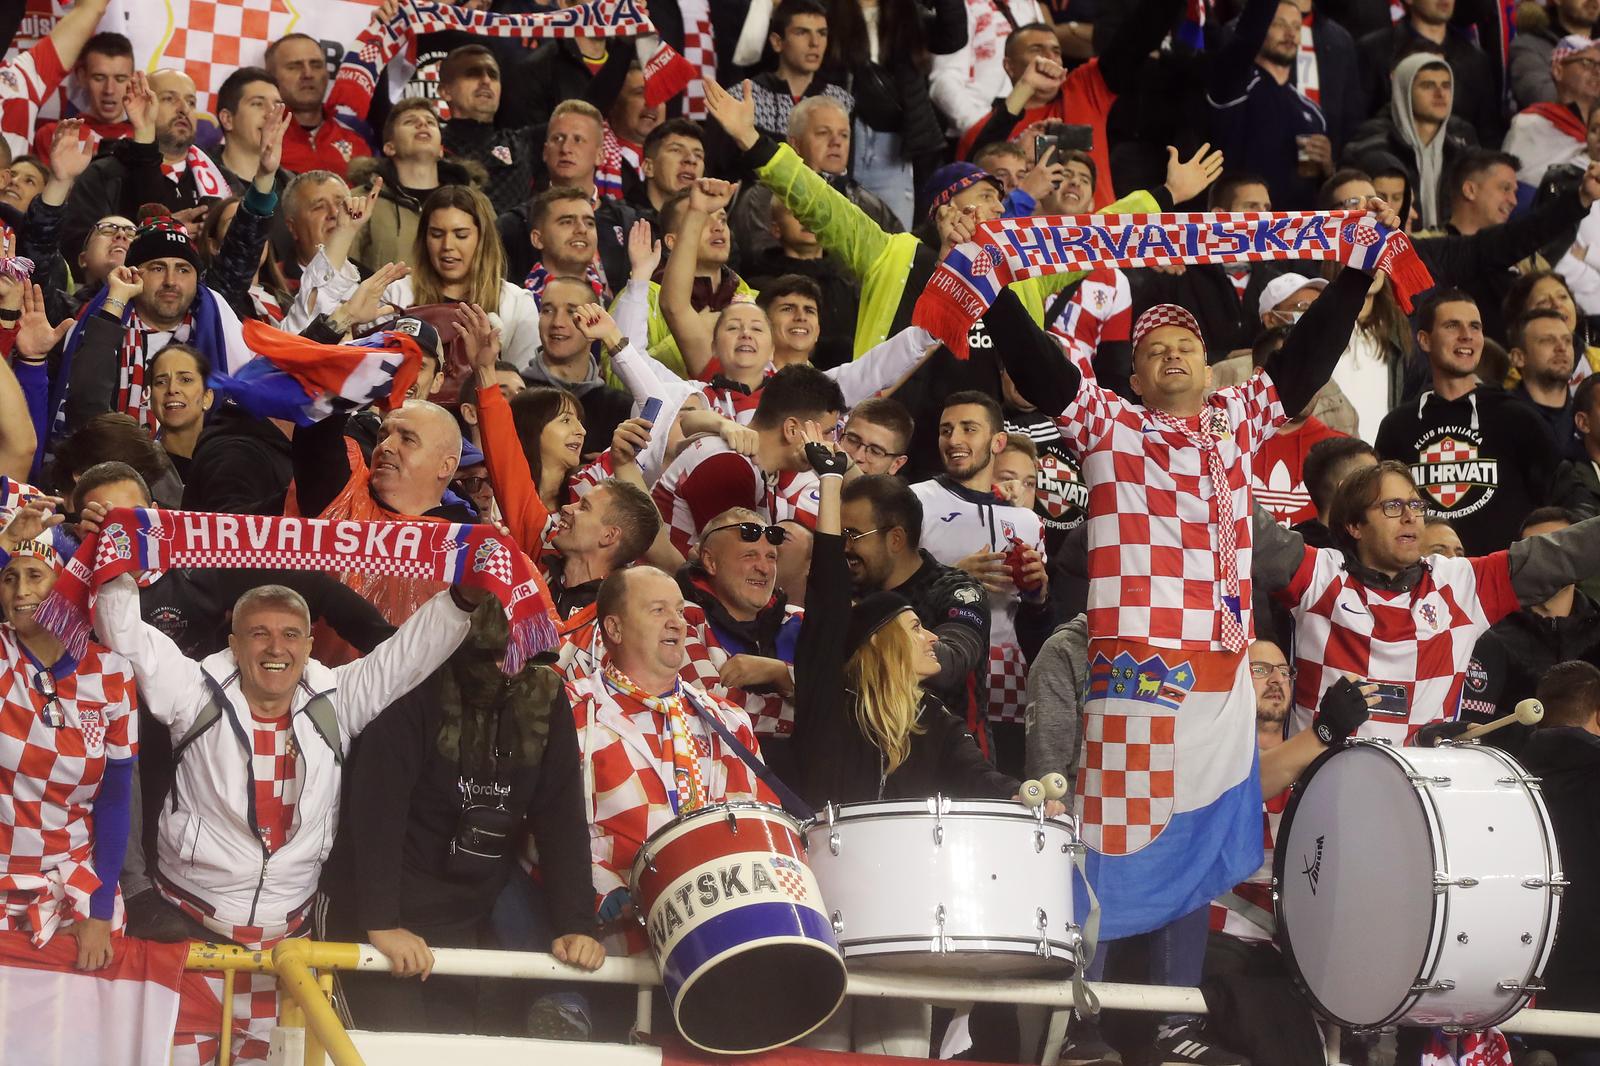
(1444, 880)
(1555, 884)
(1424, 779)
(1442, 985)
(1529, 987)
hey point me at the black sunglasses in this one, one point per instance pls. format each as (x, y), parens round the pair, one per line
(750, 532)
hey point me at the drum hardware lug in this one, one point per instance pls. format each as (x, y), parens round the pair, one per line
(1461, 938)
(1442, 881)
(1434, 986)
(1527, 938)
(838, 923)
(938, 824)
(1038, 841)
(1529, 987)
(829, 811)
(1422, 780)
(941, 945)
(733, 822)
(833, 842)
(1525, 780)
(1555, 884)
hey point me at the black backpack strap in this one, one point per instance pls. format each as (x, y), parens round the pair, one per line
(792, 803)
(1059, 304)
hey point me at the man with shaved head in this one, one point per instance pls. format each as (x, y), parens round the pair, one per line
(158, 164)
(649, 750)
(369, 469)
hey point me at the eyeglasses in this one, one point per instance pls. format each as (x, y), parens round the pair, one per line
(854, 440)
(45, 684)
(1349, 203)
(115, 229)
(750, 532)
(1395, 508)
(1589, 66)
(472, 484)
(1262, 671)
(853, 535)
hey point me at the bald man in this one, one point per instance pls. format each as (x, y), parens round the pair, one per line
(129, 173)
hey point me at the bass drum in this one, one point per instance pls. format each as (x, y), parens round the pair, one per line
(1416, 885)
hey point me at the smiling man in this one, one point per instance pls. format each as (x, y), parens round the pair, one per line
(565, 360)
(562, 230)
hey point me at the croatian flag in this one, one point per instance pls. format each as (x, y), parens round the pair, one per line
(303, 382)
(55, 1015)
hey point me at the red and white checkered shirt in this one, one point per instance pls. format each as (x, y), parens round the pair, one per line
(769, 712)
(1155, 571)
(275, 767)
(1100, 310)
(26, 82)
(1415, 645)
(1255, 891)
(14, 494)
(704, 480)
(49, 776)
(628, 771)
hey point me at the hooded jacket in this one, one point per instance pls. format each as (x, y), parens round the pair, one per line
(391, 235)
(241, 465)
(1392, 139)
(604, 407)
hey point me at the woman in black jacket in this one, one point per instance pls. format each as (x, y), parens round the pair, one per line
(864, 729)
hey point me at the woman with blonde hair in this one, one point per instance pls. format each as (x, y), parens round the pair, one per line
(864, 727)
(457, 258)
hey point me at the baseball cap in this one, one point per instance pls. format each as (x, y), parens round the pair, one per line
(1284, 286)
(423, 333)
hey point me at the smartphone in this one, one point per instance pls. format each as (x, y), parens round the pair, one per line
(1065, 137)
(652, 408)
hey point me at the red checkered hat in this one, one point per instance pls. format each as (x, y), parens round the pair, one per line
(1164, 315)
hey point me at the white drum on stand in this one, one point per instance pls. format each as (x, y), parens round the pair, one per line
(981, 887)
(1416, 885)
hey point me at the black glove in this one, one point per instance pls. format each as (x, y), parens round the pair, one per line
(1430, 735)
(1342, 711)
(825, 460)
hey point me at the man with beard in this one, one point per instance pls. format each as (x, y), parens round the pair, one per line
(1000, 544)
(316, 140)
(159, 164)
(881, 519)
(1541, 348)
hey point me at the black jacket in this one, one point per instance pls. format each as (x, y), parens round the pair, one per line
(1509, 660)
(123, 177)
(241, 465)
(1577, 487)
(841, 296)
(838, 762)
(510, 158)
(407, 787)
(556, 71)
(1476, 98)
(1483, 461)
(1567, 760)
(612, 219)
(956, 607)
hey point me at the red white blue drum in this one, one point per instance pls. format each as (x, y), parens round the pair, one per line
(737, 924)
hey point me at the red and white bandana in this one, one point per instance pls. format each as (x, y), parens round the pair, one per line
(1164, 315)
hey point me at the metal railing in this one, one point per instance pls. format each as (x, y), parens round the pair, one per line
(304, 970)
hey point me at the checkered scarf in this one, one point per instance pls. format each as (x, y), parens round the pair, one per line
(666, 73)
(474, 556)
(689, 784)
(133, 362)
(1009, 250)
(608, 175)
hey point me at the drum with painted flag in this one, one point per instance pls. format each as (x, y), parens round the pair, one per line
(737, 924)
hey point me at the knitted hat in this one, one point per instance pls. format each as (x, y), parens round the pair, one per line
(162, 238)
(1568, 47)
(952, 179)
(870, 614)
(1164, 315)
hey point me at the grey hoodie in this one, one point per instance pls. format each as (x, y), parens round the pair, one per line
(1430, 156)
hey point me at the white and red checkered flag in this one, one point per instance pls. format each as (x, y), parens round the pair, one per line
(382, 41)
(132, 540)
(1007, 250)
(1488, 1048)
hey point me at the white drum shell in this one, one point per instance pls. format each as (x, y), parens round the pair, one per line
(999, 877)
(1417, 885)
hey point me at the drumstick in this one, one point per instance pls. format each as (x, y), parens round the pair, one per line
(1031, 793)
(1529, 712)
(1055, 786)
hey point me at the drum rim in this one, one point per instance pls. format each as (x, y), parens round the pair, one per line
(855, 810)
(1031, 945)
(644, 854)
(1291, 963)
(706, 966)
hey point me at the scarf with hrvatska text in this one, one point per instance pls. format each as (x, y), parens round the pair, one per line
(132, 540)
(1008, 250)
(666, 73)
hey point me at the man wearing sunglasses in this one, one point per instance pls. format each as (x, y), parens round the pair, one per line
(1375, 607)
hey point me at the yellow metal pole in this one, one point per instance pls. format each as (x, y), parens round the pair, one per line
(225, 1048)
(315, 1055)
(293, 959)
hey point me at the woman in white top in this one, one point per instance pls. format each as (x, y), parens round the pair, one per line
(457, 257)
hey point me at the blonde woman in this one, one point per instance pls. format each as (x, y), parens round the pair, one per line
(864, 727)
(457, 257)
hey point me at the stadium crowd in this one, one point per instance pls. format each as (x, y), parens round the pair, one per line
(669, 344)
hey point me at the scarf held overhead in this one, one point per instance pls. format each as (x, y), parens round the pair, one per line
(666, 72)
(1008, 250)
(132, 540)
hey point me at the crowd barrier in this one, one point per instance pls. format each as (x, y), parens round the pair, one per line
(309, 1031)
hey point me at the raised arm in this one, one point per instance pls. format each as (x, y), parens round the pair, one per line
(1235, 61)
(401, 663)
(1040, 370)
(706, 197)
(1305, 362)
(821, 705)
(884, 367)
(1543, 565)
(174, 686)
(515, 487)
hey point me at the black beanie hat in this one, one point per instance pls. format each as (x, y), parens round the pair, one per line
(870, 614)
(162, 238)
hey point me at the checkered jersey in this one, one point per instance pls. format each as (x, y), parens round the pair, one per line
(26, 82)
(1155, 571)
(769, 712)
(704, 480)
(1414, 644)
(14, 494)
(1008, 683)
(1099, 310)
(628, 770)
(274, 766)
(49, 777)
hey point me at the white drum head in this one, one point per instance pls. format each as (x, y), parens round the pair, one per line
(1354, 871)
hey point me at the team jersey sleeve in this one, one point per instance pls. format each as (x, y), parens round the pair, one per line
(1260, 413)
(1088, 419)
(1492, 574)
(1295, 592)
(717, 483)
(121, 709)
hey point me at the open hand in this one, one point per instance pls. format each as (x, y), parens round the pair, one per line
(366, 304)
(141, 107)
(1186, 180)
(30, 520)
(479, 336)
(273, 128)
(35, 335)
(736, 116)
(71, 150)
(644, 251)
